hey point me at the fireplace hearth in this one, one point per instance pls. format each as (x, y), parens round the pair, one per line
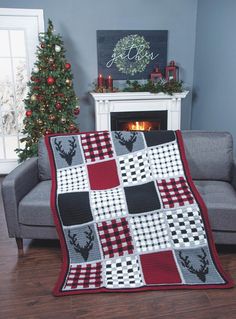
(139, 121)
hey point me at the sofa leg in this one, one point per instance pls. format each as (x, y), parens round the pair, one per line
(19, 242)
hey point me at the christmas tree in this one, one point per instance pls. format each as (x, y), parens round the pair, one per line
(51, 104)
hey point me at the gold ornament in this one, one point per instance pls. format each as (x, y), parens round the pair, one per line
(63, 120)
(40, 122)
(51, 117)
(33, 97)
(42, 109)
(68, 82)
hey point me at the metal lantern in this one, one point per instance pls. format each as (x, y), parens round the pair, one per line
(156, 75)
(172, 72)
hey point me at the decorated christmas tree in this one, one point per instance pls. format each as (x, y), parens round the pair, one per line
(51, 104)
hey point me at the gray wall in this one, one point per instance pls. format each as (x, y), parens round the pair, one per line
(214, 106)
(77, 21)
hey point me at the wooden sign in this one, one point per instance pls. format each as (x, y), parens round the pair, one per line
(131, 54)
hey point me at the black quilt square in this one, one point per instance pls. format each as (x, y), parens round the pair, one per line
(74, 208)
(142, 198)
(159, 137)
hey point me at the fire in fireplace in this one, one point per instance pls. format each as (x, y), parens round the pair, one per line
(139, 121)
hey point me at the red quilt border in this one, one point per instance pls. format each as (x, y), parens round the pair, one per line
(65, 260)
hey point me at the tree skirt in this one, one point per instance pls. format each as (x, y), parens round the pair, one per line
(128, 215)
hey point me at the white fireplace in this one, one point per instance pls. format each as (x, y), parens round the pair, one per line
(142, 107)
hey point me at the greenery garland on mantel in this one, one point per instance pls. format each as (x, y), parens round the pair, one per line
(161, 86)
(155, 87)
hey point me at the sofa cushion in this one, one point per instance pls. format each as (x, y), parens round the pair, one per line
(34, 208)
(220, 199)
(209, 154)
(43, 161)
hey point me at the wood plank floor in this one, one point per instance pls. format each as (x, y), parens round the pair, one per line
(26, 284)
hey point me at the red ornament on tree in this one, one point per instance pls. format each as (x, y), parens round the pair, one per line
(50, 80)
(58, 106)
(48, 131)
(76, 110)
(72, 127)
(43, 45)
(28, 113)
(67, 66)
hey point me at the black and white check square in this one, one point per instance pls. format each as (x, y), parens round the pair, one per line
(186, 227)
(123, 272)
(135, 168)
(108, 204)
(150, 232)
(165, 160)
(72, 179)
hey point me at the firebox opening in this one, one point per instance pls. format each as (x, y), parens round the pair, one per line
(139, 121)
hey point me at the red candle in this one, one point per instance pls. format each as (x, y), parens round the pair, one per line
(110, 83)
(100, 80)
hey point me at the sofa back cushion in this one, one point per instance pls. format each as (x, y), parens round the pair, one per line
(209, 154)
(43, 161)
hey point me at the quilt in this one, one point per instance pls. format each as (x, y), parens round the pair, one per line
(128, 215)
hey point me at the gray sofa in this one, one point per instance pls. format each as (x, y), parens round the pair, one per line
(26, 190)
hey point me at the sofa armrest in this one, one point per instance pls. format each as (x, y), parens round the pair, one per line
(234, 174)
(14, 187)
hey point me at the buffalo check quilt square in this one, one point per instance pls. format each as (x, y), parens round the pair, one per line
(175, 192)
(115, 237)
(128, 215)
(84, 276)
(165, 160)
(108, 204)
(96, 146)
(135, 168)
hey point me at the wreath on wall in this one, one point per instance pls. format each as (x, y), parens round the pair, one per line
(131, 44)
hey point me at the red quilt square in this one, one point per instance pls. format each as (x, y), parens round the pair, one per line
(84, 276)
(160, 268)
(96, 146)
(175, 192)
(103, 175)
(115, 237)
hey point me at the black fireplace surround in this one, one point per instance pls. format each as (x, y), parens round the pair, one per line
(156, 119)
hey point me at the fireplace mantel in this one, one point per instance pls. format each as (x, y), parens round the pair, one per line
(106, 103)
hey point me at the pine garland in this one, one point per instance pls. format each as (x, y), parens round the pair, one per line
(158, 87)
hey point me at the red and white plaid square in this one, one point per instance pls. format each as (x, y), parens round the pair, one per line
(115, 237)
(175, 192)
(84, 276)
(96, 146)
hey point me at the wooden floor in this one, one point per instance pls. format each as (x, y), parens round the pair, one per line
(26, 284)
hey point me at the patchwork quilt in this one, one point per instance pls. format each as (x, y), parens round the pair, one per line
(128, 215)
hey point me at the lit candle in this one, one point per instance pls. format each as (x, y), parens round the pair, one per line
(110, 83)
(100, 80)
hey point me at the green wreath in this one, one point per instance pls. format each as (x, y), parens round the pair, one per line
(121, 50)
